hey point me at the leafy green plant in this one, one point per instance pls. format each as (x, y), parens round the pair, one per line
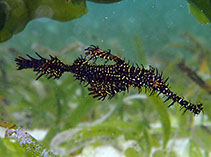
(74, 121)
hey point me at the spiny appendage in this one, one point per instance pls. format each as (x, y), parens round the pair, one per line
(157, 83)
(95, 52)
(53, 67)
(97, 76)
(107, 80)
(103, 90)
(23, 63)
(80, 69)
(121, 78)
(196, 109)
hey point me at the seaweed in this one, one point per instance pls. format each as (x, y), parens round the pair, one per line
(17, 13)
(131, 123)
(201, 10)
(194, 76)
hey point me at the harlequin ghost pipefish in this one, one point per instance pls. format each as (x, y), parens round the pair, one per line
(106, 80)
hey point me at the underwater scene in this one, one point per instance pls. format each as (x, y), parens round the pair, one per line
(105, 78)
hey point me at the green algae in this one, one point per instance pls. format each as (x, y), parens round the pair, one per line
(17, 13)
(201, 10)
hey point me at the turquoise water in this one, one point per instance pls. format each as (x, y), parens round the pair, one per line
(156, 22)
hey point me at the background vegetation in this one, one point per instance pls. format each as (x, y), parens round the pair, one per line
(133, 124)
